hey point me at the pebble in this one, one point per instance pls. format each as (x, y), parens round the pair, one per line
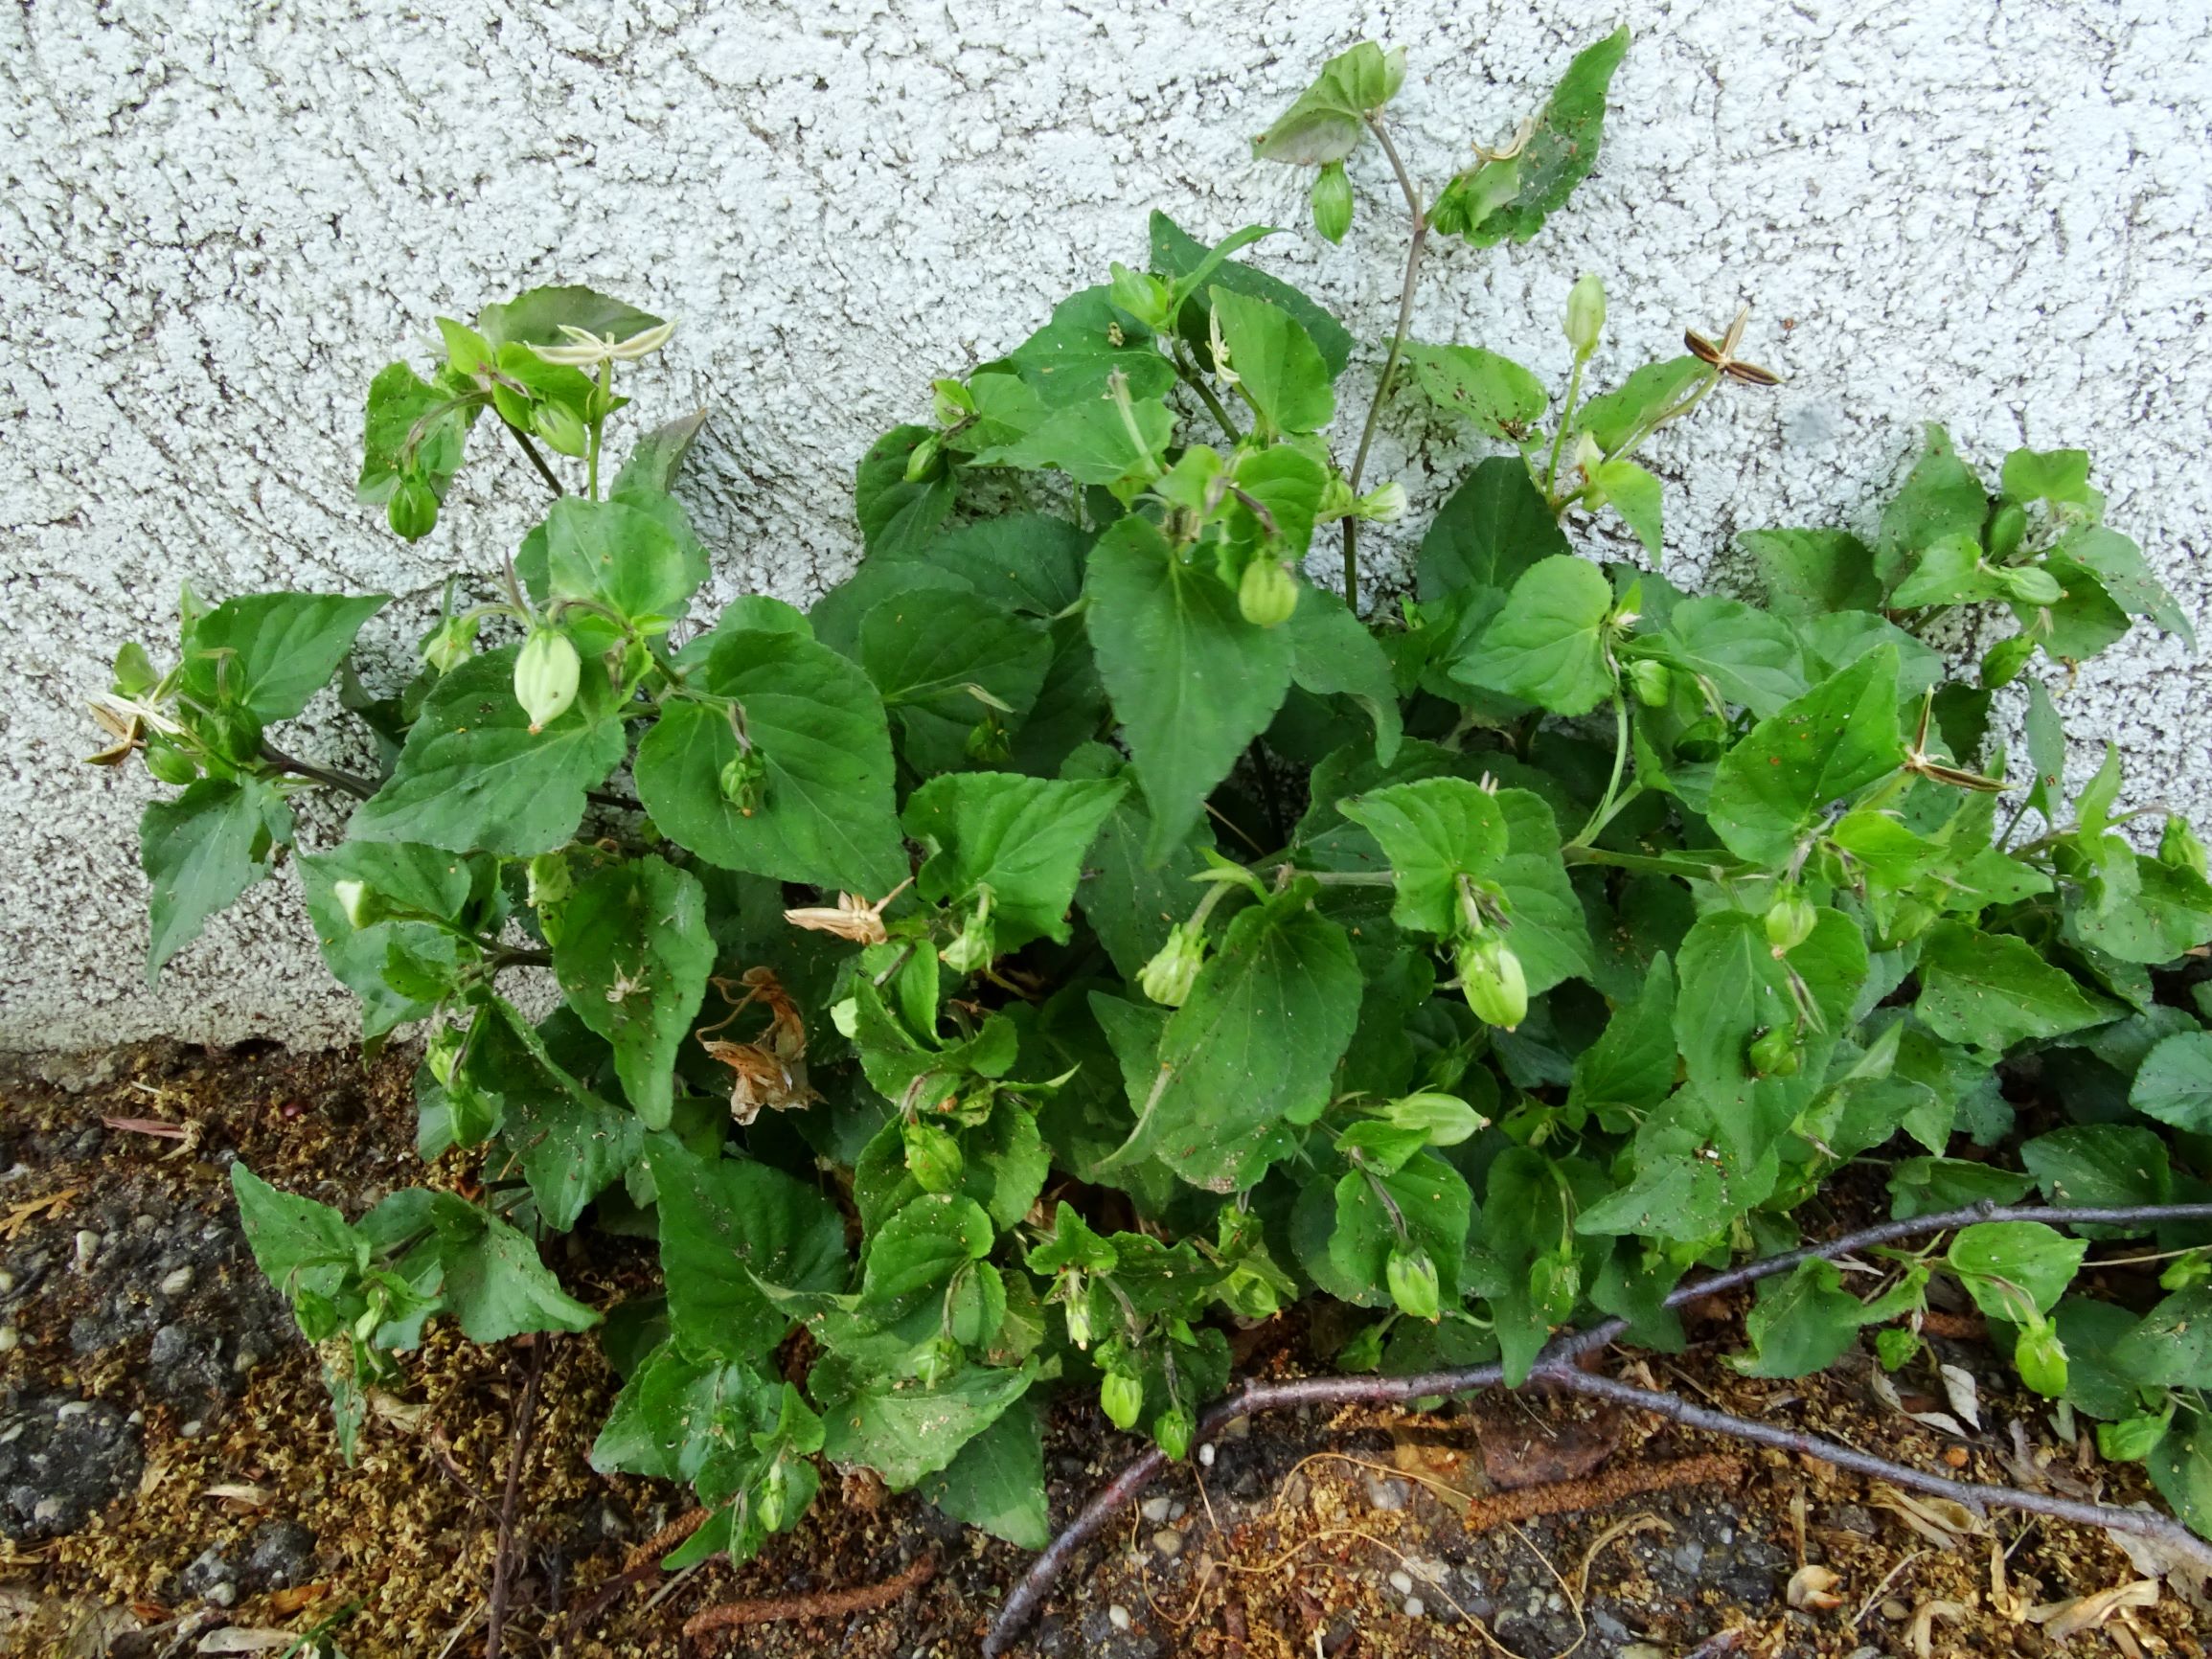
(1154, 1509)
(222, 1595)
(143, 1223)
(1168, 1544)
(1118, 1616)
(1206, 1456)
(1386, 1494)
(1415, 1607)
(192, 1430)
(9, 1337)
(47, 1509)
(7, 1281)
(1176, 1511)
(1239, 1429)
(1555, 1602)
(74, 1408)
(1401, 1581)
(177, 1283)
(87, 1247)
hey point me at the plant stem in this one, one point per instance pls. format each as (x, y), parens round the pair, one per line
(1551, 470)
(1413, 247)
(1187, 372)
(599, 428)
(530, 449)
(1604, 808)
(1689, 866)
(330, 777)
(502, 1563)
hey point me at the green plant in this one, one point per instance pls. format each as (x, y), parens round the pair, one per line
(1079, 929)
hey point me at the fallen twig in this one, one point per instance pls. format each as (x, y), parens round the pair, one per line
(821, 1605)
(1553, 1366)
(503, 1562)
(1603, 1490)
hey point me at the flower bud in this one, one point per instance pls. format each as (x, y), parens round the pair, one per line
(358, 901)
(448, 646)
(921, 458)
(1413, 1283)
(933, 1156)
(1493, 981)
(1446, 1120)
(2040, 1358)
(548, 880)
(560, 426)
(1791, 920)
(1121, 1398)
(987, 740)
(744, 776)
(441, 1054)
(2178, 848)
(546, 675)
(1167, 979)
(413, 510)
(951, 402)
(971, 949)
(773, 1503)
(2031, 584)
(1774, 1053)
(1267, 593)
(1651, 680)
(1171, 1432)
(1081, 1326)
(1586, 318)
(2008, 528)
(1385, 505)
(2002, 663)
(169, 764)
(1336, 499)
(1332, 201)
(2132, 1438)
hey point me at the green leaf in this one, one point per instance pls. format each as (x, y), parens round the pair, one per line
(824, 813)
(997, 1482)
(677, 1414)
(1548, 930)
(632, 954)
(495, 1285)
(1030, 562)
(1950, 571)
(896, 517)
(1093, 442)
(2121, 571)
(1676, 1196)
(429, 879)
(2168, 913)
(1636, 496)
(2180, 1467)
(902, 1430)
(1073, 359)
(1329, 117)
(269, 653)
(1631, 1065)
(402, 406)
(1023, 839)
(1332, 653)
(1992, 990)
(300, 1245)
(1497, 395)
(536, 316)
(1614, 418)
(1560, 152)
(1193, 682)
(1278, 368)
(1811, 573)
(1941, 497)
(1548, 644)
(945, 661)
(1751, 656)
(1489, 531)
(1429, 1196)
(649, 470)
(1178, 255)
(475, 778)
(1434, 833)
(1252, 1048)
(622, 558)
(200, 851)
(1131, 904)
(2172, 1348)
(2175, 1082)
(1775, 784)
(2052, 475)
(571, 1144)
(920, 1245)
(725, 1222)
(2002, 1262)
(1803, 1322)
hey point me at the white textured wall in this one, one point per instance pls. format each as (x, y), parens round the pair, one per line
(220, 217)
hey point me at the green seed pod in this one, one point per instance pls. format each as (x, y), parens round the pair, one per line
(1167, 979)
(1555, 1285)
(546, 677)
(951, 402)
(922, 459)
(1493, 981)
(1385, 504)
(441, 1053)
(744, 776)
(1651, 680)
(1171, 1432)
(1267, 593)
(2178, 848)
(1586, 318)
(2031, 584)
(1081, 1325)
(1249, 1295)
(772, 1504)
(2040, 1358)
(1121, 1398)
(1413, 1283)
(2132, 1438)
(1332, 201)
(933, 1157)
(169, 764)
(1446, 1120)
(2002, 663)
(562, 428)
(2008, 527)
(1791, 920)
(1775, 1053)
(449, 644)
(548, 880)
(359, 901)
(413, 510)
(971, 949)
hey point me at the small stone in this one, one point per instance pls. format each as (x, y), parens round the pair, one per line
(47, 1511)
(223, 1595)
(1401, 1581)
(1386, 1494)
(1895, 1611)
(177, 1283)
(1238, 1429)
(1176, 1510)
(142, 1222)
(192, 1430)
(1206, 1456)
(1555, 1602)
(9, 1338)
(87, 1247)
(7, 1281)
(74, 1408)
(1118, 1616)
(1415, 1607)
(1154, 1509)
(1169, 1543)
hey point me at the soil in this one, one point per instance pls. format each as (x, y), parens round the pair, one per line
(169, 1482)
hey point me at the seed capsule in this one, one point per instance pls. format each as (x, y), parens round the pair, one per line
(1586, 318)
(1332, 201)
(1267, 593)
(1122, 1398)
(413, 510)
(1493, 981)
(562, 428)
(1413, 1283)
(2040, 1358)
(1774, 1053)
(1167, 979)
(1653, 682)
(1791, 920)
(546, 677)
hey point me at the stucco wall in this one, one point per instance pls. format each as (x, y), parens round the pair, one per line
(220, 218)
